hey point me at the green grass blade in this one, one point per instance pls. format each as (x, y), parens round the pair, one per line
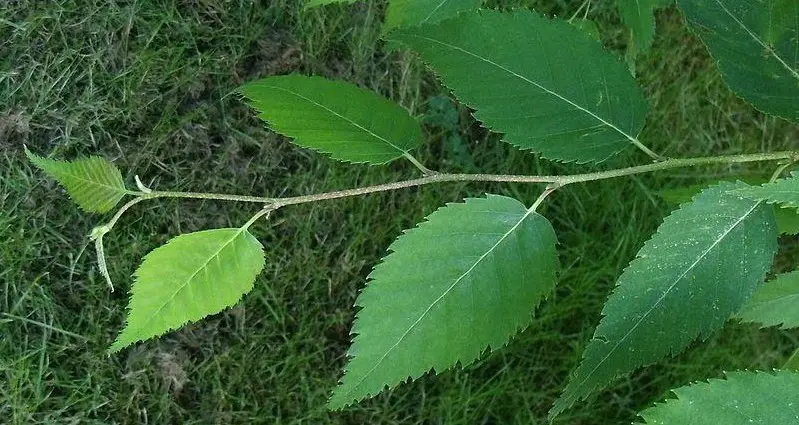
(192, 276)
(793, 362)
(557, 92)
(349, 123)
(744, 398)
(94, 183)
(755, 44)
(465, 280)
(775, 303)
(701, 266)
(316, 3)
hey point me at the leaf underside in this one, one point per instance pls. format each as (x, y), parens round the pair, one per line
(743, 398)
(756, 45)
(415, 12)
(193, 276)
(465, 280)
(701, 266)
(775, 303)
(94, 183)
(349, 123)
(557, 92)
(783, 191)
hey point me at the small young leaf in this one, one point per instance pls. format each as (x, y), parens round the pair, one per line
(465, 280)
(94, 183)
(775, 303)
(192, 276)
(639, 16)
(349, 123)
(553, 90)
(744, 398)
(755, 44)
(783, 191)
(701, 266)
(415, 12)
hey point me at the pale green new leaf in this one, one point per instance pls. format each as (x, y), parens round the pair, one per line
(744, 398)
(349, 123)
(544, 83)
(315, 3)
(415, 12)
(702, 265)
(756, 45)
(639, 16)
(94, 183)
(465, 280)
(775, 303)
(783, 191)
(192, 276)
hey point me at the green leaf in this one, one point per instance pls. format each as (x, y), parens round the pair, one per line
(701, 266)
(315, 3)
(783, 191)
(775, 303)
(744, 398)
(466, 279)
(787, 218)
(349, 123)
(544, 83)
(415, 12)
(755, 44)
(589, 27)
(639, 16)
(94, 183)
(192, 276)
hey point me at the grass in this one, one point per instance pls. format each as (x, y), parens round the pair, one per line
(148, 84)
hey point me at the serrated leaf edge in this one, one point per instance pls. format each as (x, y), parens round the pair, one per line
(117, 175)
(476, 113)
(294, 140)
(459, 362)
(116, 347)
(559, 407)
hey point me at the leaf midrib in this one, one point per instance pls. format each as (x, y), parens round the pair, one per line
(432, 12)
(525, 79)
(437, 300)
(120, 189)
(189, 279)
(349, 121)
(763, 44)
(671, 287)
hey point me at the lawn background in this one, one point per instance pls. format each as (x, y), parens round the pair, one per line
(149, 84)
